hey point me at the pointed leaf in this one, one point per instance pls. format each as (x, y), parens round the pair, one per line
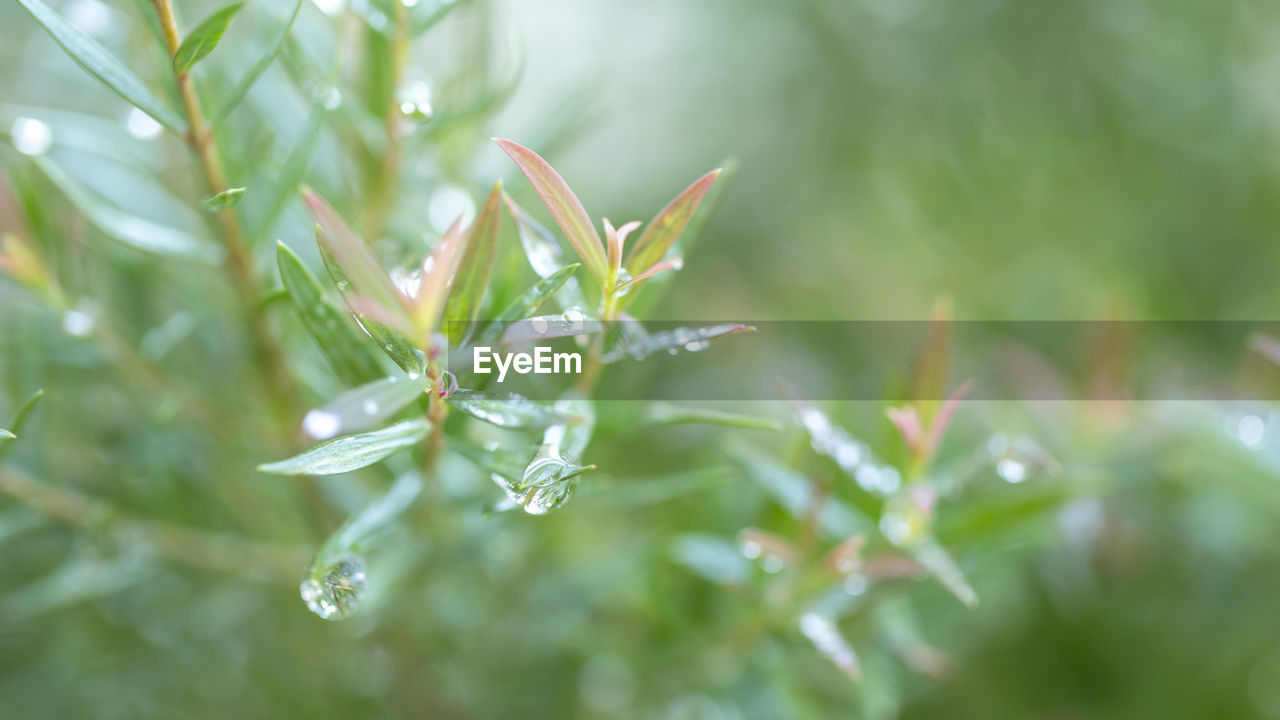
(667, 225)
(654, 269)
(549, 327)
(437, 274)
(543, 252)
(6, 435)
(352, 452)
(95, 60)
(507, 411)
(474, 269)
(331, 329)
(260, 66)
(204, 38)
(692, 340)
(526, 304)
(362, 531)
(363, 407)
(711, 558)
(19, 420)
(938, 563)
(359, 267)
(136, 232)
(564, 206)
(228, 198)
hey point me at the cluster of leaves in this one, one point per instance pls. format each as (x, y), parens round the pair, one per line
(389, 410)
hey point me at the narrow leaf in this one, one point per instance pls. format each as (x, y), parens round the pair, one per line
(797, 495)
(95, 60)
(543, 251)
(506, 411)
(528, 303)
(711, 558)
(654, 269)
(246, 82)
(437, 274)
(938, 563)
(363, 407)
(6, 435)
(330, 328)
(661, 413)
(564, 206)
(133, 231)
(667, 225)
(363, 530)
(19, 419)
(638, 347)
(228, 198)
(204, 38)
(352, 452)
(548, 327)
(290, 174)
(474, 269)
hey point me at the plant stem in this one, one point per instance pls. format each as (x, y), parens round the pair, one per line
(382, 199)
(239, 261)
(199, 548)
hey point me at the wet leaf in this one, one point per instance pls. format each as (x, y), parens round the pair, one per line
(526, 304)
(263, 62)
(938, 563)
(638, 347)
(201, 41)
(95, 60)
(6, 435)
(365, 406)
(135, 232)
(543, 252)
(352, 452)
(474, 269)
(662, 232)
(548, 327)
(330, 328)
(564, 206)
(549, 480)
(506, 411)
(437, 274)
(228, 198)
(661, 413)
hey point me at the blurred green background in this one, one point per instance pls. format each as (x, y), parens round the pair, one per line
(1029, 160)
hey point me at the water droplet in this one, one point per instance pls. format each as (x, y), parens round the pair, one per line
(335, 594)
(407, 282)
(329, 7)
(751, 549)
(31, 137)
(370, 406)
(321, 424)
(414, 376)
(79, 322)
(623, 278)
(410, 3)
(332, 97)
(697, 346)
(448, 384)
(574, 317)
(1011, 470)
(447, 204)
(142, 125)
(91, 16)
(1250, 430)
(538, 325)
(415, 100)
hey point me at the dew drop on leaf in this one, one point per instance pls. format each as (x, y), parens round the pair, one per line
(141, 125)
(321, 424)
(334, 593)
(30, 136)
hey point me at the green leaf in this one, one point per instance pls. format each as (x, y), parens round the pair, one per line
(638, 346)
(332, 330)
(666, 226)
(352, 452)
(661, 413)
(133, 231)
(20, 417)
(228, 198)
(363, 530)
(528, 303)
(365, 406)
(507, 411)
(95, 60)
(938, 563)
(290, 174)
(344, 253)
(711, 558)
(796, 494)
(564, 206)
(246, 82)
(543, 252)
(204, 38)
(474, 269)
(6, 435)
